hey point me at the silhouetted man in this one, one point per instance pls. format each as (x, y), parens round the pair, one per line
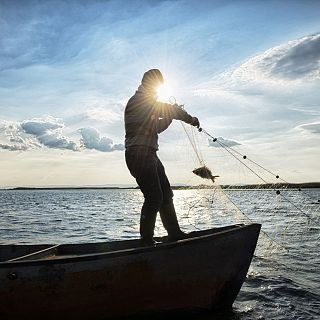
(145, 118)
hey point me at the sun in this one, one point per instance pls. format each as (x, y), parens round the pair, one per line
(166, 91)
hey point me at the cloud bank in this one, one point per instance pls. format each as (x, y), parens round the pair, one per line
(310, 127)
(269, 94)
(295, 63)
(14, 147)
(13, 137)
(48, 132)
(297, 60)
(301, 58)
(91, 140)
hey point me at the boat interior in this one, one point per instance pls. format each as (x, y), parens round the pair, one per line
(23, 252)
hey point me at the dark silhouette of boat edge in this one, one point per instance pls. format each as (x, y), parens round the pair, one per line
(123, 278)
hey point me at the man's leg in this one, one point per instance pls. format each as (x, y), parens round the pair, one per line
(151, 189)
(167, 211)
(143, 166)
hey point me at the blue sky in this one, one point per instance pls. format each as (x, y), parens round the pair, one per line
(250, 71)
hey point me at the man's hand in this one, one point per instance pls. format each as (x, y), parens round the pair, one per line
(195, 122)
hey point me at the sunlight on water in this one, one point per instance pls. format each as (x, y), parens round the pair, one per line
(283, 280)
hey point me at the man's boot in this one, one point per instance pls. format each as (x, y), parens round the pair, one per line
(170, 222)
(147, 224)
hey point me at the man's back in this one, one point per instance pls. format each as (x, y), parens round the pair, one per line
(141, 121)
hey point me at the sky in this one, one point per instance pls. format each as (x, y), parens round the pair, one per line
(249, 70)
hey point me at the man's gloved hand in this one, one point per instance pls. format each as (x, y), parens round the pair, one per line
(195, 122)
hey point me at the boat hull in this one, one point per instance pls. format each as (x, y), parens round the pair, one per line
(201, 273)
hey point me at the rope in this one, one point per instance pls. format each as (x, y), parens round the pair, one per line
(201, 161)
(192, 142)
(234, 154)
(226, 147)
(293, 204)
(266, 234)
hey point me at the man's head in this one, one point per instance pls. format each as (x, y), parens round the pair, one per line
(152, 79)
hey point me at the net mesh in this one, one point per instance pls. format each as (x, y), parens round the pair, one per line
(274, 202)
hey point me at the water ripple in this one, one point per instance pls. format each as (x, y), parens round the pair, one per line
(283, 281)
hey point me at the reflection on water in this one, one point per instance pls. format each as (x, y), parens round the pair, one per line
(283, 280)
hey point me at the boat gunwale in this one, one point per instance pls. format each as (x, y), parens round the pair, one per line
(129, 251)
(52, 248)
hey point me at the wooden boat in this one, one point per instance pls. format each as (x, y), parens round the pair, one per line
(123, 278)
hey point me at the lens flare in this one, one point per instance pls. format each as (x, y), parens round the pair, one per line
(165, 91)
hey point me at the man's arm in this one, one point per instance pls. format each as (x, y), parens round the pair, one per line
(173, 111)
(163, 124)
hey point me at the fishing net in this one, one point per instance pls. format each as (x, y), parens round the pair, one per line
(261, 196)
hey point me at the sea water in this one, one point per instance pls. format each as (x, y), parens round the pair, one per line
(283, 281)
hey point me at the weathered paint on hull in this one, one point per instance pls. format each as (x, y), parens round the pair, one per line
(195, 274)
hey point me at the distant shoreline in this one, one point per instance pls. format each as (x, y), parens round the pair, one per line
(306, 185)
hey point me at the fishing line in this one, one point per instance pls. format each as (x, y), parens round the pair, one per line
(193, 144)
(226, 147)
(222, 144)
(206, 173)
(262, 231)
(233, 153)
(293, 204)
(242, 155)
(190, 208)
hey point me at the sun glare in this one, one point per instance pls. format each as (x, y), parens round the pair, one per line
(166, 91)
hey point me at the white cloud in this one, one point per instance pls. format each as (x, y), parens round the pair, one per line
(13, 137)
(40, 126)
(14, 147)
(220, 143)
(102, 112)
(310, 127)
(56, 140)
(109, 115)
(295, 63)
(269, 94)
(91, 139)
(291, 63)
(48, 132)
(300, 59)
